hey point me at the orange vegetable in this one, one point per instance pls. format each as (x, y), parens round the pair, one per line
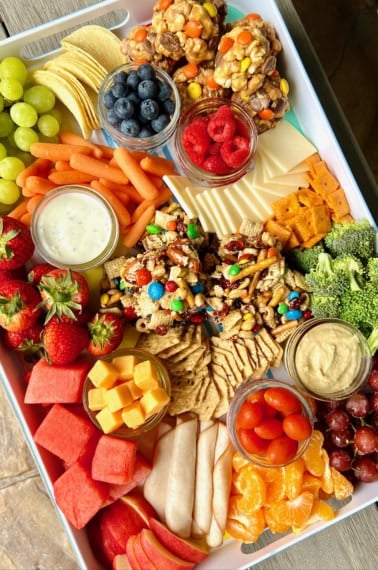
(136, 231)
(57, 151)
(19, 210)
(37, 185)
(67, 137)
(33, 202)
(225, 44)
(266, 114)
(119, 208)
(61, 165)
(164, 196)
(190, 70)
(140, 35)
(193, 28)
(135, 173)
(98, 168)
(244, 38)
(157, 165)
(37, 168)
(70, 177)
(26, 218)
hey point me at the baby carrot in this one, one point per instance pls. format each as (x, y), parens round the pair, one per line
(37, 185)
(33, 202)
(70, 177)
(57, 151)
(157, 165)
(68, 137)
(26, 218)
(19, 210)
(98, 168)
(135, 173)
(164, 196)
(119, 208)
(107, 151)
(62, 165)
(135, 232)
(39, 167)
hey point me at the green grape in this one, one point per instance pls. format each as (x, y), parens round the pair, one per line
(3, 151)
(25, 156)
(1, 103)
(9, 192)
(13, 68)
(41, 97)
(48, 125)
(11, 144)
(24, 137)
(57, 113)
(23, 114)
(11, 89)
(10, 167)
(6, 124)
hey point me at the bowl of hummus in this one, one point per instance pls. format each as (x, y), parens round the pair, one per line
(328, 358)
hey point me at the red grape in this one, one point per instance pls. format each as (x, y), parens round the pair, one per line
(374, 421)
(365, 440)
(337, 420)
(341, 438)
(374, 402)
(358, 405)
(340, 460)
(365, 469)
(373, 380)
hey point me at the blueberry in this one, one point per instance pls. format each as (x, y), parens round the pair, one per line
(147, 89)
(130, 127)
(149, 109)
(123, 108)
(133, 80)
(120, 77)
(164, 91)
(145, 133)
(169, 106)
(120, 89)
(112, 117)
(146, 71)
(160, 123)
(109, 99)
(134, 98)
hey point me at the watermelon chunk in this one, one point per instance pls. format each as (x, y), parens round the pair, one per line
(114, 460)
(78, 496)
(51, 384)
(64, 433)
(142, 469)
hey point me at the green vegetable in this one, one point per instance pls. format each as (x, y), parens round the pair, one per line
(304, 259)
(356, 238)
(360, 308)
(351, 268)
(323, 280)
(323, 306)
(372, 270)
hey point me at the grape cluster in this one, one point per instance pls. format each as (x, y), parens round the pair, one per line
(27, 114)
(350, 428)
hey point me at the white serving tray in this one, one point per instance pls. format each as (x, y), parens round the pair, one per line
(315, 125)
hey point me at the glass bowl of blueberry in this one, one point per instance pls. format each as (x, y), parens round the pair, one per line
(215, 141)
(139, 106)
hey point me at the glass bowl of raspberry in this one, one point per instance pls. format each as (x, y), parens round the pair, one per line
(215, 141)
(139, 106)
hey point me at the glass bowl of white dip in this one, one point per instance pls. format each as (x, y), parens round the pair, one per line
(74, 227)
(329, 359)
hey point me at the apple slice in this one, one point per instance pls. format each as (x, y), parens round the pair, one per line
(130, 552)
(141, 556)
(118, 522)
(121, 562)
(140, 505)
(190, 550)
(160, 556)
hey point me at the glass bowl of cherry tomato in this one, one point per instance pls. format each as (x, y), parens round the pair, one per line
(269, 422)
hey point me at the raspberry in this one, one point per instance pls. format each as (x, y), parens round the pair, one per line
(215, 148)
(221, 127)
(225, 111)
(235, 151)
(241, 128)
(215, 164)
(195, 140)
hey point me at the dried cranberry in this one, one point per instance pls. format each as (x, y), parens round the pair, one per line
(161, 330)
(234, 245)
(294, 304)
(197, 319)
(129, 313)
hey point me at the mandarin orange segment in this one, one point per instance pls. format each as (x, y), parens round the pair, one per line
(252, 489)
(311, 483)
(294, 512)
(274, 525)
(275, 490)
(312, 456)
(327, 480)
(342, 487)
(321, 511)
(293, 477)
(249, 530)
(238, 461)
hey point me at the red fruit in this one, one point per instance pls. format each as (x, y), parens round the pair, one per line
(19, 305)
(297, 426)
(282, 400)
(221, 126)
(9, 274)
(16, 244)
(235, 151)
(63, 342)
(36, 273)
(281, 450)
(27, 340)
(63, 291)
(196, 141)
(269, 428)
(215, 164)
(106, 332)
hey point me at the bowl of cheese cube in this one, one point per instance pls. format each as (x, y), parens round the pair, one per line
(127, 393)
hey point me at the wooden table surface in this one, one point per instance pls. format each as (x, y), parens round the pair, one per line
(31, 536)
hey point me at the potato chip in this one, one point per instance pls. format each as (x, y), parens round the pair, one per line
(78, 66)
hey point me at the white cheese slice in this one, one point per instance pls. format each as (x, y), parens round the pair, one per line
(206, 214)
(231, 213)
(296, 180)
(212, 197)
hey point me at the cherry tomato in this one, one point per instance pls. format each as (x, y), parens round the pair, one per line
(251, 442)
(297, 426)
(249, 415)
(269, 428)
(258, 397)
(281, 450)
(282, 400)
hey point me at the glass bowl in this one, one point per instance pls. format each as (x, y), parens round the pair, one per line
(65, 236)
(329, 359)
(245, 128)
(259, 449)
(124, 431)
(112, 124)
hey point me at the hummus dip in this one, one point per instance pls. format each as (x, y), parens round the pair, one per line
(328, 358)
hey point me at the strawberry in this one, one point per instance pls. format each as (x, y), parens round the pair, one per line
(27, 340)
(7, 274)
(36, 273)
(63, 342)
(63, 291)
(106, 332)
(16, 244)
(19, 305)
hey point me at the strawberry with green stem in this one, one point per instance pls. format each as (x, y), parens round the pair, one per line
(27, 341)
(64, 292)
(16, 244)
(106, 332)
(19, 305)
(63, 342)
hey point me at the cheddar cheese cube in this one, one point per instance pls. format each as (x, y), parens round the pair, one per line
(135, 392)
(109, 421)
(103, 374)
(96, 398)
(125, 365)
(134, 415)
(146, 376)
(118, 397)
(154, 400)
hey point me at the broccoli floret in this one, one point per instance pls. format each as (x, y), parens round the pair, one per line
(351, 268)
(352, 238)
(304, 259)
(372, 270)
(360, 308)
(323, 306)
(323, 280)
